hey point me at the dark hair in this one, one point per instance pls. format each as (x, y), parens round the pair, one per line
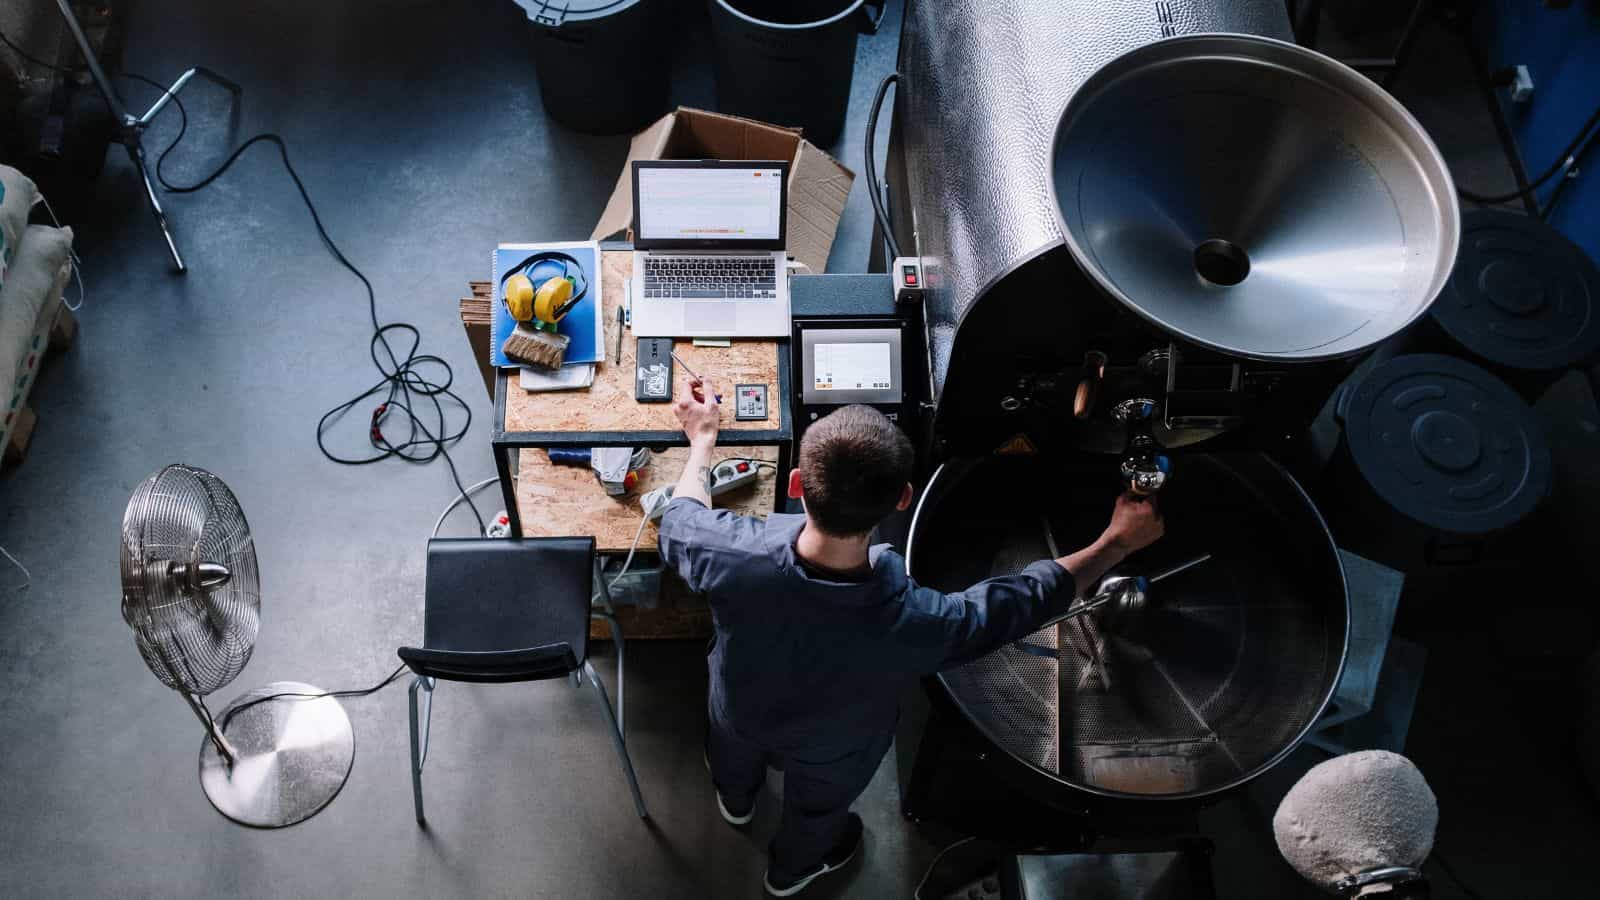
(853, 465)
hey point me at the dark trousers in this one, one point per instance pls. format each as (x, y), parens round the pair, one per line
(818, 789)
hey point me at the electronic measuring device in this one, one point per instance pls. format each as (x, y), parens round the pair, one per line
(842, 361)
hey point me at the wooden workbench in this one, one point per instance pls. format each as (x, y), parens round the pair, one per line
(608, 405)
(552, 501)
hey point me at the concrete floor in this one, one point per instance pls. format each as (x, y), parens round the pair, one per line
(418, 129)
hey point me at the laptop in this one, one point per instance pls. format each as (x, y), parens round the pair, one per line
(708, 238)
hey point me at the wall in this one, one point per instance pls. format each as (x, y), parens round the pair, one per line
(1561, 48)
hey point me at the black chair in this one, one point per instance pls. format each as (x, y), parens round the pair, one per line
(499, 610)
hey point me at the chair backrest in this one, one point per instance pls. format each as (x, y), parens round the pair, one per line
(502, 609)
(549, 661)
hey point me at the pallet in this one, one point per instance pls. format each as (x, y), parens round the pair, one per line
(20, 420)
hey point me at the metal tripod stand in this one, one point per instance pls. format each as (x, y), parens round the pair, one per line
(129, 129)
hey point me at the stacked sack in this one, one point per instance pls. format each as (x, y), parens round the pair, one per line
(35, 265)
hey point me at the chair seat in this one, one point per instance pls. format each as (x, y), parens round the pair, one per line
(487, 595)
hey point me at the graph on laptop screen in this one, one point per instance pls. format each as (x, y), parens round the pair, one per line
(710, 204)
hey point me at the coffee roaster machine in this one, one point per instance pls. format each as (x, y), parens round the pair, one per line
(1154, 236)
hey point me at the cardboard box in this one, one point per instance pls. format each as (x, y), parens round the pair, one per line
(477, 317)
(818, 183)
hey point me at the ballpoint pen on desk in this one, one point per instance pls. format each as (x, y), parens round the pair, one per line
(692, 374)
(619, 335)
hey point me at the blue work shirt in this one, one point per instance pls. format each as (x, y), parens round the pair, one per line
(806, 663)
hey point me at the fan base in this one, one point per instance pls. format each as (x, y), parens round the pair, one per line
(294, 757)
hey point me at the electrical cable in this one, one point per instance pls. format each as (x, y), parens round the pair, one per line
(362, 692)
(33, 59)
(27, 577)
(870, 168)
(403, 382)
(916, 893)
(1564, 160)
(644, 518)
(1568, 176)
(72, 254)
(1445, 866)
(473, 489)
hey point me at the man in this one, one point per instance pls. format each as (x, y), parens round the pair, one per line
(818, 633)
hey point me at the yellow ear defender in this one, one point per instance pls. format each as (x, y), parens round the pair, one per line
(553, 297)
(519, 297)
(550, 300)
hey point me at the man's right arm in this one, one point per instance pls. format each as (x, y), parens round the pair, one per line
(996, 612)
(1135, 524)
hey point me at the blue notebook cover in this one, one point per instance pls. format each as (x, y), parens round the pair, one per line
(583, 324)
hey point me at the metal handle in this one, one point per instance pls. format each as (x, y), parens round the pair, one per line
(1144, 467)
(1128, 591)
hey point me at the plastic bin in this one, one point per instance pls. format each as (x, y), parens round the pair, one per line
(790, 63)
(1523, 302)
(641, 587)
(1438, 465)
(602, 64)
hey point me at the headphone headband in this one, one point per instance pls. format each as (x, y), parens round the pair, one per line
(568, 262)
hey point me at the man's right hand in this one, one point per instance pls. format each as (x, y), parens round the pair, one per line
(1135, 523)
(698, 413)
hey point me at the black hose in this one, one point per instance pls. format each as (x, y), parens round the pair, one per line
(1568, 177)
(874, 188)
(1564, 160)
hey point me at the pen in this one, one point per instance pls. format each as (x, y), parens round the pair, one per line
(619, 335)
(692, 374)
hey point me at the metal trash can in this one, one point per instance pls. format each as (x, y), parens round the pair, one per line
(790, 63)
(602, 64)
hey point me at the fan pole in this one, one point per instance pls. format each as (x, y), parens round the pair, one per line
(226, 749)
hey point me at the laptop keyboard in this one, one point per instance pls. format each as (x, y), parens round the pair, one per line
(711, 277)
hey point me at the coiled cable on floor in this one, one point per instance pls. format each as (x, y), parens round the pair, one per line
(413, 385)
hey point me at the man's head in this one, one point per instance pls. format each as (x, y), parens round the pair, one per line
(855, 468)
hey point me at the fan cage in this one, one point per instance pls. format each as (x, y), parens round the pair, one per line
(194, 639)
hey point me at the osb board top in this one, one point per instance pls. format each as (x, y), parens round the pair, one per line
(609, 404)
(555, 501)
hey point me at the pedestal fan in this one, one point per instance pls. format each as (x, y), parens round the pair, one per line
(191, 593)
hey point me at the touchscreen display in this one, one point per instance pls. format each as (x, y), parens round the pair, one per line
(852, 367)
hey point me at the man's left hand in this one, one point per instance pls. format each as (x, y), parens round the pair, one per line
(698, 412)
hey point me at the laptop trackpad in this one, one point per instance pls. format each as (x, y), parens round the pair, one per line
(702, 316)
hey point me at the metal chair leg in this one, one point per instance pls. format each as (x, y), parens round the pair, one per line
(616, 735)
(622, 684)
(608, 613)
(419, 741)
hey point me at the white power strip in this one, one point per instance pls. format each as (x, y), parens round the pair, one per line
(727, 475)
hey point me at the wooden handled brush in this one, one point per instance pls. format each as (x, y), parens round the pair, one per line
(536, 347)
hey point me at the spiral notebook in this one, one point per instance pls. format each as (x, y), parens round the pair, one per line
(583, 324)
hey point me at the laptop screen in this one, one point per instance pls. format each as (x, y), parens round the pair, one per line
(707, 205)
